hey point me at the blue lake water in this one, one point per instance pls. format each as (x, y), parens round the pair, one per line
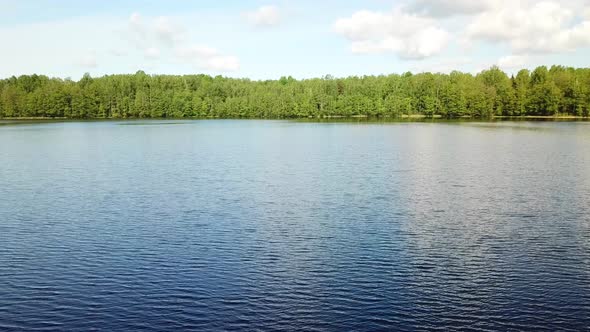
(284, 225)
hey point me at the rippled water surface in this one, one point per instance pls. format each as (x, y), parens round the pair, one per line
(278, 225)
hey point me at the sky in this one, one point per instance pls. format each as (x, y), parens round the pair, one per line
(269, 39)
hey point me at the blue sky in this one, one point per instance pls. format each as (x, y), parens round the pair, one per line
(269, 39)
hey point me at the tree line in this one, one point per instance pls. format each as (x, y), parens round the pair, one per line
(543, 92)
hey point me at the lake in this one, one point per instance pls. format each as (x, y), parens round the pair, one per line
(287, 225)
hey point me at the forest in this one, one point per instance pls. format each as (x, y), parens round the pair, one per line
(554, 91)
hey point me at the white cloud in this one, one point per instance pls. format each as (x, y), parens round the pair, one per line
(135, 19)
(196, 51)
(407, 35)
(444, 8)
(145, 33)
(152, 53)
(532, 27)
(88, 61)
(222, 63)
(207, 57)
(137, 31)
(157, 36)
(264, 16)
(167, 31)
(513, 61)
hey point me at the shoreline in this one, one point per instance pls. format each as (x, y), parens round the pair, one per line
(328, 117)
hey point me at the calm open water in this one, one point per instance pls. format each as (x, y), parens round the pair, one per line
(279, 225)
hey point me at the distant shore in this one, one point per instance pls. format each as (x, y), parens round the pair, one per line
(403, 116)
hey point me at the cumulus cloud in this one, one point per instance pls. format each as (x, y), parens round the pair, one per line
(135, 19)
(421, 29)
(222, 63)
(532, 27)
(208, 58)
(513, 61)
(162, 35)
(146, 33)
(408, 35)
(264, 16)
(167, 31)
(88, 61)
(444, 8)
(137, 31)
(152, 53)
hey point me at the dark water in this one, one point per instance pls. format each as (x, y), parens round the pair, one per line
(276, 225)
